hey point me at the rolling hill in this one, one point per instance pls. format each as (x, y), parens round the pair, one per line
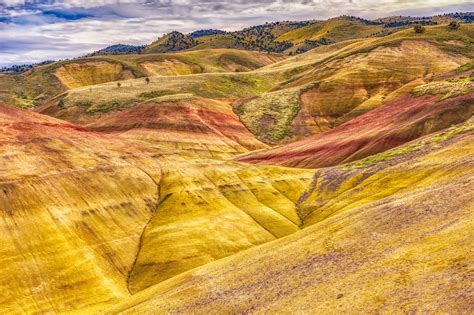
(330, 85)
(211, 179)
(377, 241)
(44, 82)
(101, 204)
(429, 108)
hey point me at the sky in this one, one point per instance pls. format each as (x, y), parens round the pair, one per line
(37, 30)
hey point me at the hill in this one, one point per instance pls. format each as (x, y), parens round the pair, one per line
(42, 83)
(118, 49)
(101, 204)
(330, 85)
(376, 241)
(234, 181)
(174, 41)
(428, 108)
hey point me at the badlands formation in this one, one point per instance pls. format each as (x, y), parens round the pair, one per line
(216, 180)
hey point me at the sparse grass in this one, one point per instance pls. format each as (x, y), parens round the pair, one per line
(416, 145)
(153, 94)
(446, 88)
(466, 67)
(270, 115)
(109, 105)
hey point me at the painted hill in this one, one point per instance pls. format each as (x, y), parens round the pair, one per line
(429, 108)
(159, 183)
(102, 203)
(377, 240)
(285, 100)
(330, 85)
(72, 203)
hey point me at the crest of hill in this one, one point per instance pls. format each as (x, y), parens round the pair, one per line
(118, 49)
(207, 32)
(174, 41)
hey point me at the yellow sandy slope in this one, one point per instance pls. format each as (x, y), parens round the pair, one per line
(87, 219)
(390, 235)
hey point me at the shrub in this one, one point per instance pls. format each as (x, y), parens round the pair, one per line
(147, 80)
(454, 25)
(419, 29)
(119, 84)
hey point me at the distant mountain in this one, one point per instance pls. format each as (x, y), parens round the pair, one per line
(201, 33)
(17, 69)
(393, 21)
(118, 49)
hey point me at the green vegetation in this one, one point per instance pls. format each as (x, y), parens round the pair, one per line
(174, 41)
(419, 29)
(446, 88)
(153, 94)
(270, 115)
(454, 25)
(466, 67)
(423, 143)
(104, 107)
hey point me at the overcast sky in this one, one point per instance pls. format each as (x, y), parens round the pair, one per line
(32, 31)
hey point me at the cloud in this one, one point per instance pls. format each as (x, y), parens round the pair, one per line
(36, 30)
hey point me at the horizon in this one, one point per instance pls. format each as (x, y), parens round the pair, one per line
(34, 31)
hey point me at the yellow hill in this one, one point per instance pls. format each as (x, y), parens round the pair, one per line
(377, 241)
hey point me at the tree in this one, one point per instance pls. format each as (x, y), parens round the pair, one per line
(119, 84)
(147, 80)
(419, 29)
(454, 25)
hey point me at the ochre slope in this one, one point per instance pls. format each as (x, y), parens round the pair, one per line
(404, 119)
(88, 218)
(73, 75)
(72, 206)
(390, 247)
(210, 210)
(195, 126)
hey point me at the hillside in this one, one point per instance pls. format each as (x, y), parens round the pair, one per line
(330, 85)
(32, 88)
(376, 241)
(72, 206)
(203, 176)
(101, 203)
(428, 108)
